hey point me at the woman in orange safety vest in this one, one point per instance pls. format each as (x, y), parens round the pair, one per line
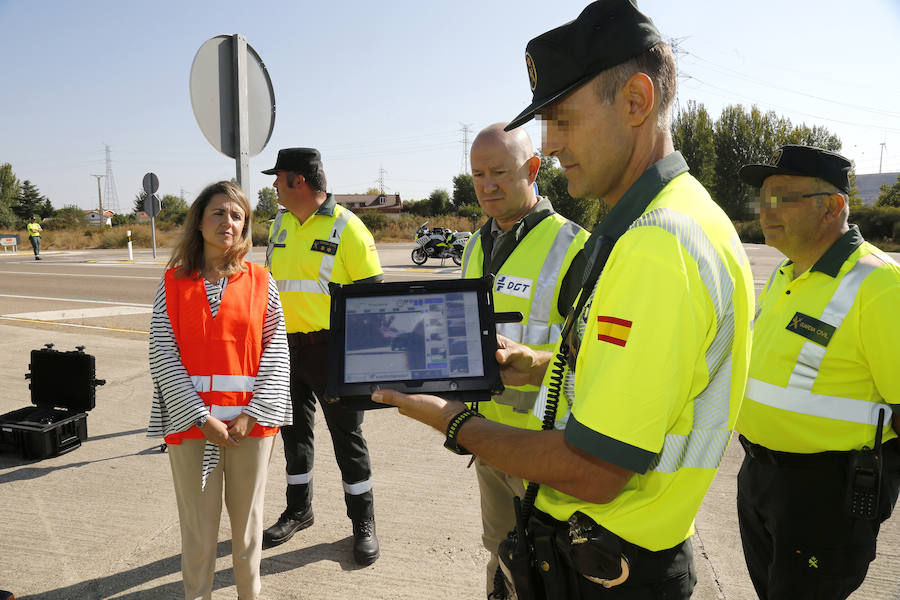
(220, 367)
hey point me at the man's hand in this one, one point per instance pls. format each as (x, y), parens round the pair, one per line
(240, 427)
(430, 410)
(519, 364)
(217, 432)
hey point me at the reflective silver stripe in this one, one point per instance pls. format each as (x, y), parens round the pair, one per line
(797, 397)
(772, 277)
(276, 226)
(225, 413)
(521, 400)
(327, 264)
(704, 446)
(816, 405)
(538, 331)
(530, 333)
(811, 354)
(201, 383)
(474, 239)
(309, 286)
(301, 479)
(223, 383)
(355, 489)
(232, 383)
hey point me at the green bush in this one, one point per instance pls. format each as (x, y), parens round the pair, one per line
(750, 232)
(897, 231)
(373, 220)
(876, 222)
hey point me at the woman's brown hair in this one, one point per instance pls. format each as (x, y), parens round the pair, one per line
(188, 253)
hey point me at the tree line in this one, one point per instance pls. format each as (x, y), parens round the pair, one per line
(714, 150)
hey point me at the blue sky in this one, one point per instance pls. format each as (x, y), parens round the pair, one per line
(390, 84)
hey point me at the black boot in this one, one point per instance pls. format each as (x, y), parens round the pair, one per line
(365, 544)
(284, 529)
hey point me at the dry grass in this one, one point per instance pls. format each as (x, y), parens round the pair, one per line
(404, 228)
(110, 237)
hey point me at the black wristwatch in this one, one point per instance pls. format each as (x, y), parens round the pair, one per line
(202, 420)
(453, 429)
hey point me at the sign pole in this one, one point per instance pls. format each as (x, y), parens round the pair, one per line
(241, 114)
(151, 203)
(153, 234)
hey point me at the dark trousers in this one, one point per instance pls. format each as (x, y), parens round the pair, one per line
(309, 374)
(35, 244)
(663, 575)
(799, 540)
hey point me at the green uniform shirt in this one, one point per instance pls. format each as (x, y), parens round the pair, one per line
(825, 352)
(331, 245)
(663, 358)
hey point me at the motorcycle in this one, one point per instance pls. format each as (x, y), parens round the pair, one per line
(439, 243)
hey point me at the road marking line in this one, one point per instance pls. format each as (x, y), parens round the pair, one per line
(79, 275)
(2, 318)
(5, 295)
(82, 313)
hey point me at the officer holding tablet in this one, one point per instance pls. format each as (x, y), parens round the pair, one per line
(651, 367)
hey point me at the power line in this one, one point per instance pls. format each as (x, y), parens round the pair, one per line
(737, 74)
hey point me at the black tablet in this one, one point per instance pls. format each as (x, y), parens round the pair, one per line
(418, 337)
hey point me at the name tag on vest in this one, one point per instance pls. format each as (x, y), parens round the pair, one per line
(513, 286)
(811, 328)
(325, 247)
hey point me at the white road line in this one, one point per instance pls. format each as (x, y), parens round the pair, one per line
(79, 275)
(82, 313)
(5, 295)
(2, 318)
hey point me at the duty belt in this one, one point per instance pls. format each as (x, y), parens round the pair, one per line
(792, 459)
(308, 339)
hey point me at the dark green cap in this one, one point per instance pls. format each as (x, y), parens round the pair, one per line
(605, 34)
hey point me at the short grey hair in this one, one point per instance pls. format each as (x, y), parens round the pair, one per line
(658, 63)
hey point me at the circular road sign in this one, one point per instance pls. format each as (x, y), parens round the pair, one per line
(151, 205)
(151, 183)
(212, 96)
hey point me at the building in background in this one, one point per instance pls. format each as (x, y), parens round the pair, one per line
(388, 204)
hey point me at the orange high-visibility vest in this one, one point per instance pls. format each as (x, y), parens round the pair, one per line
(220, 354)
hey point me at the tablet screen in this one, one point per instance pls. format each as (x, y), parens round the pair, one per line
(412, 337)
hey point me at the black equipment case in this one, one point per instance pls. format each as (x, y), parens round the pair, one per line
(63, 390)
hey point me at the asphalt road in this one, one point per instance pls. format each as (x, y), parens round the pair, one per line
(100, 522)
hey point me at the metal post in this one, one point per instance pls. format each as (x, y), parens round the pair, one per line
(130, 252)
(99, 198)
(153, 233)
(241, 112)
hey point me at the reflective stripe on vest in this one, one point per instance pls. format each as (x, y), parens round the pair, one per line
(704, 446)
(538, 331)
(474, 239)
(223, 383)
(270, 248)
(797, 397)
(320, 285)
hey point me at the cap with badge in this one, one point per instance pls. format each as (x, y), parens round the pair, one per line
(801, 161)
(605, 34)
(299, 160)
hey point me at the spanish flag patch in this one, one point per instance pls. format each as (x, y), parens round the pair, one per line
(613, 330)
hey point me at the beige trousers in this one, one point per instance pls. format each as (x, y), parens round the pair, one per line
(242, 473)
(497, 516)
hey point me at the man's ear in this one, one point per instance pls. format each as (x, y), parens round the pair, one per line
(533, 165)
(640, 97)
(834, 205)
